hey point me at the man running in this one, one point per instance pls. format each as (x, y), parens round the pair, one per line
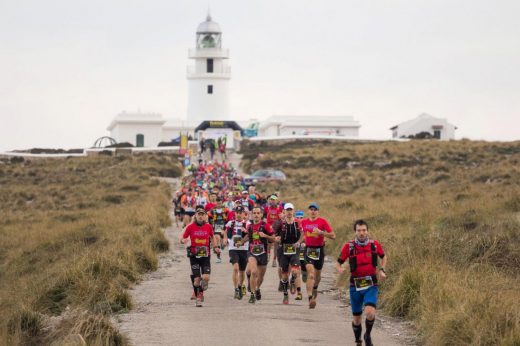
(362, 254)
(272, 213)
(235, 231)
(315, 230)
(258, 235)
(218, 217)
(201, 236)
(288, 234)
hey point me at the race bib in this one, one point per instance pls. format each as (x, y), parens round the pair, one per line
(201, 251)
(258, 249)
(218, 228)
(289, 249)
(363, 283)
(302, 256)
(314, 253)
(237, 237)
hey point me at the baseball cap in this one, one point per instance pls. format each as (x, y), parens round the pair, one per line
(245, 192)
(314, 205)
(299, 213)
(288, 206)
(273, 197)
(239, 209)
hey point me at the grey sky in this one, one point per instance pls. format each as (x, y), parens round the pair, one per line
(68, 67)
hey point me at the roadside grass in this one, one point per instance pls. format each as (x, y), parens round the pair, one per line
(75, 234)
(447, 214)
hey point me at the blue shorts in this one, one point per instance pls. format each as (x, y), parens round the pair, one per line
(359, 299)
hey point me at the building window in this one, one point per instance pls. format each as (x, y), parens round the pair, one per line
(209, 65)
(139, 140)
(437, 134)
(210, 89)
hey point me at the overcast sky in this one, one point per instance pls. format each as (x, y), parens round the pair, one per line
(68, 67)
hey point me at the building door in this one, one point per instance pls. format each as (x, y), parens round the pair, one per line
(139, 141)
(437, 134)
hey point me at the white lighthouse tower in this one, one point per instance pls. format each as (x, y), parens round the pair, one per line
(208, 79)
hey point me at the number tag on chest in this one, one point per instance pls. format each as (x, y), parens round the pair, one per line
(258, 250)
(201, 251)
(289, 249)
(218, 229)
(363, 283)
(314, 253)
(302, 255)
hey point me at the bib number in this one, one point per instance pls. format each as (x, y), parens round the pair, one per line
(289, 249)
(201, 251)
(363, 283)
(237, 238)
(302, 255)
(256, 236)
(314, 253)
(218, 229)
(258, 250)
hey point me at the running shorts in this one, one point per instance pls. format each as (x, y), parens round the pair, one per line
(359, 299)
(200, 266)
(317, 263)
(287, 260)
(261, 260)
(240, 257)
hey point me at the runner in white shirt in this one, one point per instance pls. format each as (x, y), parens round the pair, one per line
(234, 231)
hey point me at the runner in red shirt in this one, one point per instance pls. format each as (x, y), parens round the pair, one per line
(362, 254)
(258, 234)
(315, 230)
(201, 237)
(272, 213)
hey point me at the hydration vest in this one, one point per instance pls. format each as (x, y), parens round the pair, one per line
(260, 229)
(220, 217)
(284, 232)
(353, 256)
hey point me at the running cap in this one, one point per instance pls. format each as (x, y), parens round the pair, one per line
(230, 194)
(200, 208)
(274, 197)
(245, 192)
(299, 213)
(239, 209)
(288, 206)
(314, 205)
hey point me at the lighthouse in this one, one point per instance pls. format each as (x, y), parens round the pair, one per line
(208, 78)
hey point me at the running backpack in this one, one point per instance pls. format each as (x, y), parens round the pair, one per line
(352, 260)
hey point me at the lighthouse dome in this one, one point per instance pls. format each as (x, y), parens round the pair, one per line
(208, 27)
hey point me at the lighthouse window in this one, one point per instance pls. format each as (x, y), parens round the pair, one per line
(210, 89)
(209, 65)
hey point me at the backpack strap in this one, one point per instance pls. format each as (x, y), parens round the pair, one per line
(374, 253)
(352, 260)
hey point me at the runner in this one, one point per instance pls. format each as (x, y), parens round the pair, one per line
(315, 230)
(272, 213)
(362, 254)
(218, 217)
(299, 215)
(258, 234)
(188, 204)
(235, 230)
(288, 234)
(201, 236)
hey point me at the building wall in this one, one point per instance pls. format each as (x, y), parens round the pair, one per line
(272, 130)
(203, 106)
(425, 125)
(128, 133)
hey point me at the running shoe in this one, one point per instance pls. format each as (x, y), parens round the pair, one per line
(193, 296)
(237, 293)
(299, 296)
(280, 287)
(218, 260)
(244, 290)
(258, 295)
(285, 299)
(292, 286)
(252, 299)
(304, 276)
(203, 284)
(368, 340)
(314, 293)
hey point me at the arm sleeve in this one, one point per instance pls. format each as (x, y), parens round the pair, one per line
(344, 254)
(379, 250)
(326, 226)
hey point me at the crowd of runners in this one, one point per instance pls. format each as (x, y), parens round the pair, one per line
(217, 211)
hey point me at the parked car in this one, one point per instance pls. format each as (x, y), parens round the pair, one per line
(264, 175)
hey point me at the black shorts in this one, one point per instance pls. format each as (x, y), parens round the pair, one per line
(261, 260)
(318, 264)
(287, 260)
(177, 212)
(200, 266)
(240, 257)
(189, 213)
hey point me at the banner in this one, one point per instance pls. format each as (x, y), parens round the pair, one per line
(183, 149)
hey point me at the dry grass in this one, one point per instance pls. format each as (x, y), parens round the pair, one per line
(74, 235)
(447, 213)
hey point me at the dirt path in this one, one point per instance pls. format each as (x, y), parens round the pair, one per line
(165, 315)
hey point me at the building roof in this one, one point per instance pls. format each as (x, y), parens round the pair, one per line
(310, 121)
(420, 118)
(208, 27)
(136, 118)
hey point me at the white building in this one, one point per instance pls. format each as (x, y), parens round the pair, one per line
(437, 127)
(208, 79)
(286, 125)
